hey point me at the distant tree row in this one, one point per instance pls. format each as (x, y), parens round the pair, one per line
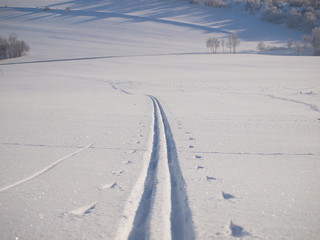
(232, 42)
(299, 14)
(309, 41)
(12, 47)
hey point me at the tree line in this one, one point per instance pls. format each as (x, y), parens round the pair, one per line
(232, 42)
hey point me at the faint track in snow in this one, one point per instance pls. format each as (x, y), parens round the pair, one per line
(255, 153)
(312, 106)
(37, 174)
(158, 206)
(68, 146)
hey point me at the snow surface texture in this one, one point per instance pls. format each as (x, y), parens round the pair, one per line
(123, 128)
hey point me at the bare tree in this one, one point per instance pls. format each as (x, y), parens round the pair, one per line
(299, 47)
(4, 47)
(261, 46)
(307, 41)
(223, 42)
(229, 44)
(289, 43)
(234, 41)
(315, 38)
(213, 44)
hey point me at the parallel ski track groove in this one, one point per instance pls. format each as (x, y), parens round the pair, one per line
(141, 222)
(181, 217)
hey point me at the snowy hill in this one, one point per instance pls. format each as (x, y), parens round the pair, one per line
(119, 124)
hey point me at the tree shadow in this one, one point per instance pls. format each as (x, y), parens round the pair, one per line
(180, 14)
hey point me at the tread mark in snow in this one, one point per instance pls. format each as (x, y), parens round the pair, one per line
(37, 174)
(179, 220)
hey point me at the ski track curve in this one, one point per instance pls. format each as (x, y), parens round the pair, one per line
(46, 169)
(158, 206)
(312, 106)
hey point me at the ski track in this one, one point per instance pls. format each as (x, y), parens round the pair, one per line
(68, 146)
(37, 174)
(162, 210)
(312, 106)
(252, 153)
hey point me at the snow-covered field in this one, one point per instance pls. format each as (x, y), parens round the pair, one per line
(118, 125)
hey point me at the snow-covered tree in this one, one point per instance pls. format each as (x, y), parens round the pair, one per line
(12, 47)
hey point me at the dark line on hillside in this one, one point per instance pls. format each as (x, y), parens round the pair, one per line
(102, 57)
(181, 217)
(141, 223)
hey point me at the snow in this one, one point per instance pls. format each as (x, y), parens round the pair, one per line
(117, 92)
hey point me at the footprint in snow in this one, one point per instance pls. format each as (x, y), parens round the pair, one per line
(190, 146)
(127, 162)
(237, 231)
(192, 139)
(227, 196)
(197, 156)
(210, 178)
(112, 185)
(84, 210)
(132, 151)
(117, 173)
(200, 167)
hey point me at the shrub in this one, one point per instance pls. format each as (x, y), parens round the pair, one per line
(252, 6)
(294, 19)
(12, 47)
(211, 3)
(261, 46)
(273, 14)
(309, 20)
(296, 3)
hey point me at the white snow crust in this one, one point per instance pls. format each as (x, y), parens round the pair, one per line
(119, 125)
